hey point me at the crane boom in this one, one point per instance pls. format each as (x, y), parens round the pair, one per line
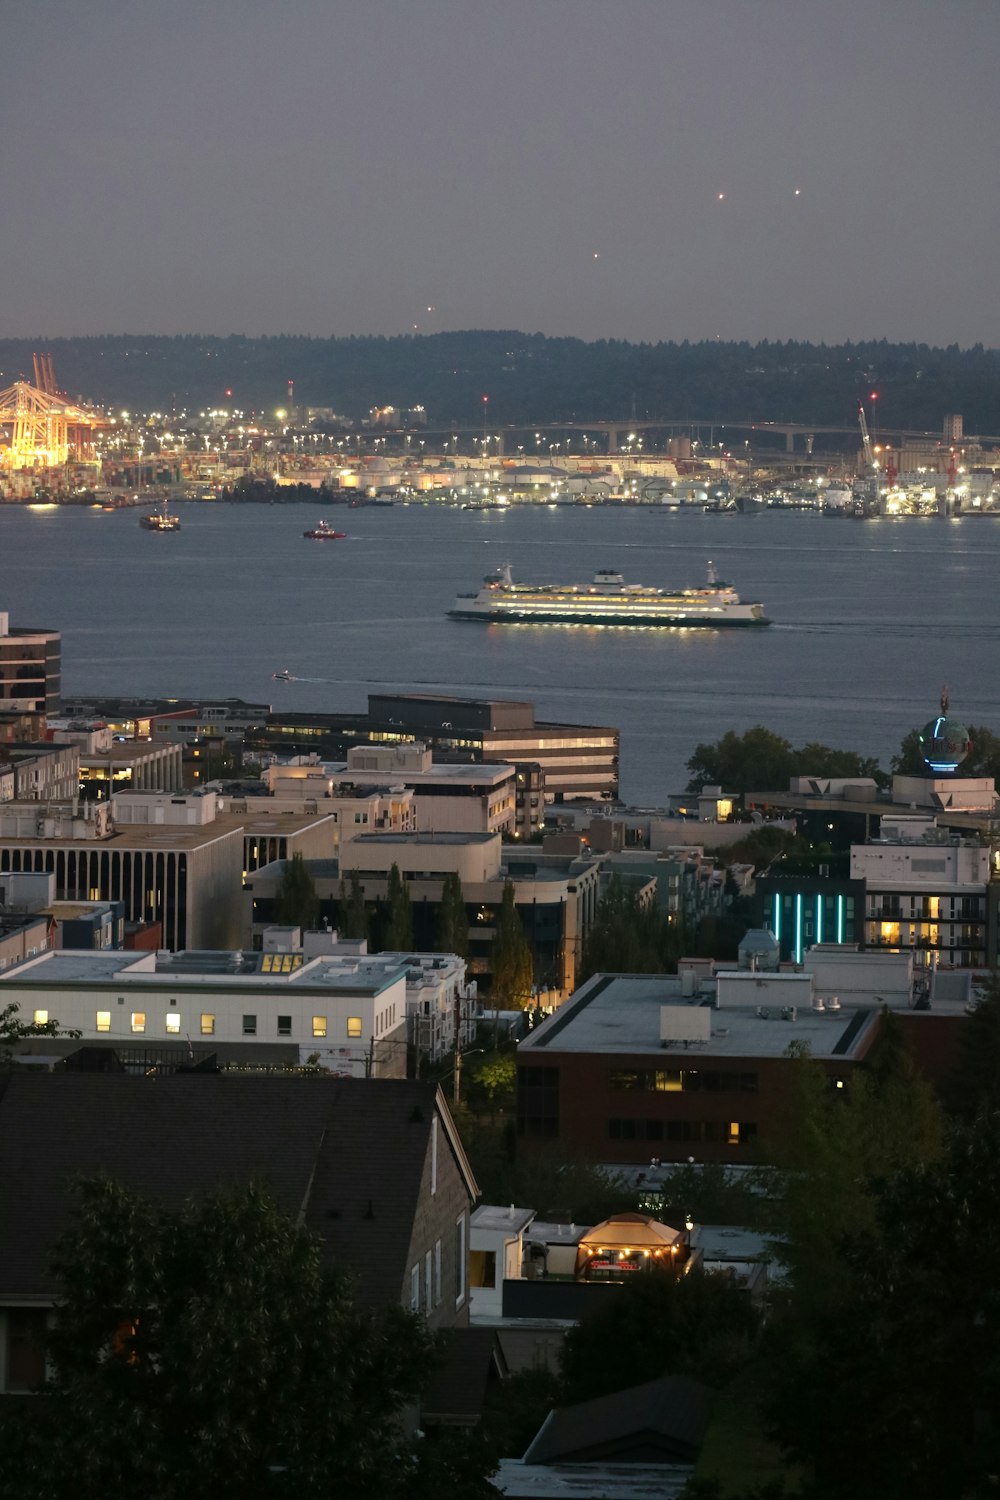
(866, 441)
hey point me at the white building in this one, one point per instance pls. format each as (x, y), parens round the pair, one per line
(347, 1013)
(496, 1255)
(447, 797)
(928, 895)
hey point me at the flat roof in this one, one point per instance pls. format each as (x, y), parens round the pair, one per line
(486, 773)
(425, 838)
(82, 968)
(496, 1218)
(620, 1013)
(174, 835)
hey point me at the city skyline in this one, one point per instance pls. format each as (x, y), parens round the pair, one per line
(644, 171)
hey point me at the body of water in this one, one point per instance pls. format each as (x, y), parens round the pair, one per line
(871, 618)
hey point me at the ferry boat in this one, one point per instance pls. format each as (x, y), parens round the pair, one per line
(324, 532)
(607, 600)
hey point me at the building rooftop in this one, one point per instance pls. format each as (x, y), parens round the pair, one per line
(250, 972)
(621, 1013)
(413, 839)
(496, 1218)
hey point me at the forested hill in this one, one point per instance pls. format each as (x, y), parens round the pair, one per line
(529, 378)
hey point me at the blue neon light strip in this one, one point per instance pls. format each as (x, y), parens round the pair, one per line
(798, 929)
(840, 919)
(819, 919)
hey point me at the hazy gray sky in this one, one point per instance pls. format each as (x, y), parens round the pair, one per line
(342, 166)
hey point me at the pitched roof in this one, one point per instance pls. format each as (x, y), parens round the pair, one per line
(345, 1154)
(662, 1420)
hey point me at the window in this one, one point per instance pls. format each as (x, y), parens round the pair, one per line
(354, 1026)
(41, 1018)
(319, 1025)
(26, 1328)
(173, 1022)
(249, 1025)
(284, 1025)
(459, 1260)
(103, 1020)
(437, 1273)
(427, 1282)
(482, 1268)
(538, 1101)
(415, 1289)
(138, 1020)
(207, 1023)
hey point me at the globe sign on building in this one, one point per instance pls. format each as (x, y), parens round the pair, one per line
(944, 742)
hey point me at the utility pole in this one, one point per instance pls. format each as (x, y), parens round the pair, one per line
(456, 1092)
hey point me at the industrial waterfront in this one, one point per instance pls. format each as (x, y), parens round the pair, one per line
(870, 618)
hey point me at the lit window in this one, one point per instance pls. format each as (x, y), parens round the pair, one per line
(173, 1022)
(138, 1020)
(207, 1023)
(249, 1025)
(41, 1018)
(103, 1020)
(415, 1289)
(319, 1025)
(354, 1026)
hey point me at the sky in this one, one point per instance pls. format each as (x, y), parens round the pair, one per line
(638, 169)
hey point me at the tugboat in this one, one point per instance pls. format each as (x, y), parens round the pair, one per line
(324, 532)
(160, 520)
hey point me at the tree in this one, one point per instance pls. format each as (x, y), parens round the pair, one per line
(699, 1325)
(908, 1360)
(758, 760)
(297, 903)
(510, 957)
(975, 1080)
(628, 938)
(832, 1149)
(453, 919)
(14, 1030)
(398, 925)
(209, 1350)
(494, 1075)
(762, 761)
(352, 917)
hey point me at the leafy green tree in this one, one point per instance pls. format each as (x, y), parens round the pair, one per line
(453, 919)
(352, 918)
(494, 1076)
(658, 1324)
(908, 1361)
(297, 903)
(398, 924)
(761, 761)
(758, 760)
(208, 1350)
(975, 1079)
(835, 1145)
(510, 958)
(628, 938)
(14, 1030)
